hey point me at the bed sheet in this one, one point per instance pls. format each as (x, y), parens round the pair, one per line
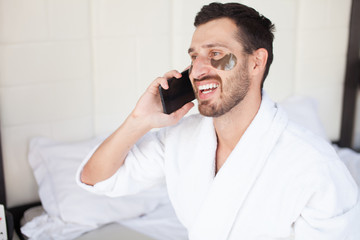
(351, 159)
(161, 224)
(113, 231)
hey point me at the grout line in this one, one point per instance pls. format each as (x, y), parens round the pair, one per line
(92, 63)
(42, 41)
(46, 122)
(172, 33)
(42, 83)
(296, 67)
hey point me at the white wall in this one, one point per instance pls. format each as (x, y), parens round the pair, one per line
(321, 57)
(46, 86)
(72, 69)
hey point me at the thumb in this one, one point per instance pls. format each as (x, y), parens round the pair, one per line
(181, 112)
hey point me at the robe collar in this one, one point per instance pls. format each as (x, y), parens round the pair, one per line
(219, 198)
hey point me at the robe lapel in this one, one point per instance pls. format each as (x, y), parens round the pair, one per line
(197, 174)
(238, 175)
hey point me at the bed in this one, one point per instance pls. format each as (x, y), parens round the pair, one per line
(66, 212)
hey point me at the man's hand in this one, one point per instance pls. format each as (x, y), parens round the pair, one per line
(149, 112)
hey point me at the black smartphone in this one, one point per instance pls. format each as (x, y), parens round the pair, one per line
(179, 93)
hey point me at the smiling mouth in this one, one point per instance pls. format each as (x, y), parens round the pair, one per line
(208, 88)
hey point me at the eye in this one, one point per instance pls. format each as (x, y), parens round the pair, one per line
(193, 57)
(215, 54)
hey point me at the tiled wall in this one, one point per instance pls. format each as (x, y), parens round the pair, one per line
(46, 81)
(73, 69)
(321, 56)
(131, 47)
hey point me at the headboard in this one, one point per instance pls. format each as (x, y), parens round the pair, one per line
(352, 79)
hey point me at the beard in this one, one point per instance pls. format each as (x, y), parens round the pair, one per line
(233, 90)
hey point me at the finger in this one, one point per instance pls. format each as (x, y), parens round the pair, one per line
(155, 84)
(181, 112)
(163, 82)
(172, 74)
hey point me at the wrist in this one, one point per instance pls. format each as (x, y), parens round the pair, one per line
(137, 123)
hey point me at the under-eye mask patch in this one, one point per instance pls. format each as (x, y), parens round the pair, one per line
(228, 62)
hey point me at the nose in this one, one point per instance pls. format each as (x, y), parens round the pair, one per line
(200, 67)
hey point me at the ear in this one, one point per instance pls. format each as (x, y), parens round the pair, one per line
(259, 59)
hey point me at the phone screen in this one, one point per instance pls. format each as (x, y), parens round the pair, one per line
(179, 93)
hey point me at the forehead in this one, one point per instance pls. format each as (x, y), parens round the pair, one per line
(220, 32)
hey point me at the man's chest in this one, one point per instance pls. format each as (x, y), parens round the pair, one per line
(221, 155)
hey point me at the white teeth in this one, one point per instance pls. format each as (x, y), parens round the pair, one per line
(208, 86)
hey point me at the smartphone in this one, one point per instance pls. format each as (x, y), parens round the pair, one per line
(179, 93)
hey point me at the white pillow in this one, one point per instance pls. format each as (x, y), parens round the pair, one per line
(55, 164)
(304, 112)
(352, 161)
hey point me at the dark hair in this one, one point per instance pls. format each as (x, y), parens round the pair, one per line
(254, 30)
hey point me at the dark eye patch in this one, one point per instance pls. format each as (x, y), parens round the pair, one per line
(228, 62)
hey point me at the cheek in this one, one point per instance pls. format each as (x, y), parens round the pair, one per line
(226, 63)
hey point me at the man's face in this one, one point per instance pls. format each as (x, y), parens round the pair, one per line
(219, 70)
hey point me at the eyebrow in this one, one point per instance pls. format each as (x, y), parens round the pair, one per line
(210, 45)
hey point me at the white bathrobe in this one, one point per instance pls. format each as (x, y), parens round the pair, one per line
(280, 182)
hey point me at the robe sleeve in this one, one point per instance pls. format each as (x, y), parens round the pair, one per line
(332, 211)
(143, 169)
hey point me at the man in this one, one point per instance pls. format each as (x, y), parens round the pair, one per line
(240, 170)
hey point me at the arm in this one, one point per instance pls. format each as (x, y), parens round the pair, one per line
(332, 211)
(148, 114)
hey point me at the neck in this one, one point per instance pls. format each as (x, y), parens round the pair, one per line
(231, 126)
